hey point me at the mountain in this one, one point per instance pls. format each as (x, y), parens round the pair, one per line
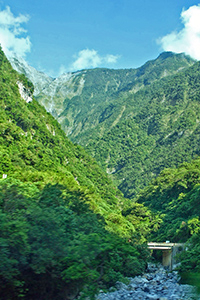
(65, 229)
(159, 129)
(34, 148)
(115, 114)
(80, 100)
(39, 79)
(93, 90)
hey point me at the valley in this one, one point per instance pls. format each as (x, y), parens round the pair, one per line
(94, 165)
(128, 119)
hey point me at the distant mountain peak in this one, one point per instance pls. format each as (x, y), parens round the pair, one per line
(167, 54)
(39, 79)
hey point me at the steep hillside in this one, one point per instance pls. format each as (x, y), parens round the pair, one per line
(65, 228)
(125, 118)
(39, 79)
(34, 148)
(160, 128)
(175, 194)
(82, 100)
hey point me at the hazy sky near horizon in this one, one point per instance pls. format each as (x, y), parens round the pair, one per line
(58, 36)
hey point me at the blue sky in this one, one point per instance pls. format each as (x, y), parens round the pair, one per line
(66, 35)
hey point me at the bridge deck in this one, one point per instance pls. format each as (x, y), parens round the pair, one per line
(164, 246)
(160, 247)
(169, 251)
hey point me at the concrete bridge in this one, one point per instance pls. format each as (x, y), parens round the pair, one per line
(169, 251)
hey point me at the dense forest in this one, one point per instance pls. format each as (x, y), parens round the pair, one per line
(161, 125)
(175, 196)
(128, 119)
(65, 228)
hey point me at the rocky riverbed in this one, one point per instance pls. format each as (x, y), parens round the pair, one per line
(156, 284)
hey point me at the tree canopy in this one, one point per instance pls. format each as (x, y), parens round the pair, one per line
(65, 227)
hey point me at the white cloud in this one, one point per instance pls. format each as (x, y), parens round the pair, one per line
(12, 33)
(111, 59)
(87, 58)
(188, 39)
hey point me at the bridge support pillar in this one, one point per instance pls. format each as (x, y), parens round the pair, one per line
(167, 258)
(169, 251)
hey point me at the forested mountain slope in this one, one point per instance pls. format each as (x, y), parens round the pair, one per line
(128, 119)
(160, 128)
(175, 194)
(65, 227)
(82, 100)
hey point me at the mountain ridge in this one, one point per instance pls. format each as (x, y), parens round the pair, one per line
(65, 228)
(98, 108)
(53, 245)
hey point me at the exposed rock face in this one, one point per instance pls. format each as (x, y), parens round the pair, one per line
(51, 92)
(25, 94)
(157, 284)
(55, 95)
(39, 79)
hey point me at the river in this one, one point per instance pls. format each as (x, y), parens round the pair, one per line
(156, 284)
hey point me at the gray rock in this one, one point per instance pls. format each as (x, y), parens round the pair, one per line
(152, 297)
(120, 285)
(157, 284)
